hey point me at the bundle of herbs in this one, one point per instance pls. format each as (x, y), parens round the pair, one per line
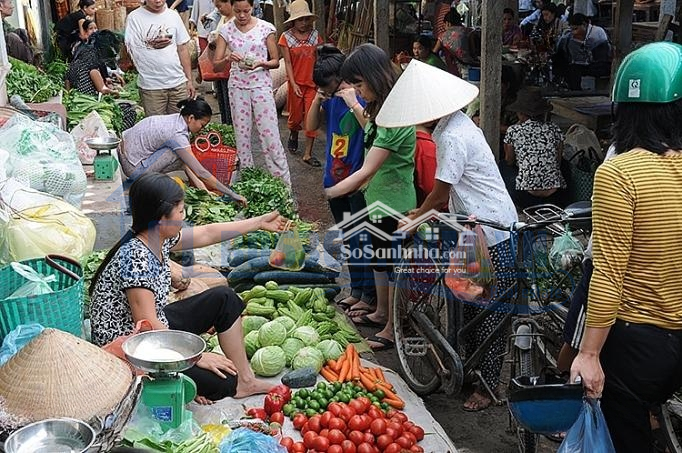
(29, 83)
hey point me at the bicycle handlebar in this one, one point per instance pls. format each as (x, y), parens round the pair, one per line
(516, 227)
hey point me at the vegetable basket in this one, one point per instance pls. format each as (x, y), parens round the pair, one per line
(221, 160)
(61, 309)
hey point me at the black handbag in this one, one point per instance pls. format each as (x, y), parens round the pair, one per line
(580, 169)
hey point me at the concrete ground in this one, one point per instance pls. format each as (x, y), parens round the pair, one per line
(480, 432)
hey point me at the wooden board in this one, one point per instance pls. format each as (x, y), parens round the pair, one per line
(567, 108)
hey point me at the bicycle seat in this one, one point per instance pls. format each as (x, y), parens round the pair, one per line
(579, 209)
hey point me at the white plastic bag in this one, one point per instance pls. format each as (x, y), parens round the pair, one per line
(34, 224)
(92, 126)
(36, 283)
(44, 158)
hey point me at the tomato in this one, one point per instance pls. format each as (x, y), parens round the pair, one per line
(416, 449)
(321, 443)
(397, 427)
(378, 426)
(277, 258)
(393, 448)
(324, 419)
(404, 442)
(334, 408)
(375, 412)
(335, 436)
(365, 402)
(418, 432)
(384, 441)
(401, 416)
(309, 438)
(407, 425)
(356, 437)
(277, 417)
(348, 446)
(346, 413)
(355, 423)
(410, 436)
(358, 406)
(390, 431)
(299, 447)
(288, 443)
(365, 447)
(369, 438)
(337, 423)
(335, 449)
(299, 421)
(391, 413)
(366, 421)
(324, 432)
(314, 423)
(305, 429)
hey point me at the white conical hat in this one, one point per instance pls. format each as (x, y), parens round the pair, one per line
(424, 93)
(60, 375)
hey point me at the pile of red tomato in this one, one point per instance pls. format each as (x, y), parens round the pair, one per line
(356, 427)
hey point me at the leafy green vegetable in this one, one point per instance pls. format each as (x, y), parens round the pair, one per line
(225, 131)
(330, 349)
(202, 208)
(268, 361)
(308, 357)
(130, 91)
(90, 265)
(265, 193)
(290, 347)
(307, 335)
(251, 323)
(29, 83)
(251, 343)
(272, 333)
(79, 105)
(56, 71)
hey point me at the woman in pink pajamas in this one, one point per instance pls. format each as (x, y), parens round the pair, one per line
(248, 44)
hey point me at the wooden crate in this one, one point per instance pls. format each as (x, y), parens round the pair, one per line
(105, 19)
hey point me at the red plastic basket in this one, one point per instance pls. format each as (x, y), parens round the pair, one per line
(221, 160)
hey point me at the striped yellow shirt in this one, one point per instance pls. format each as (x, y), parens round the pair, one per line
(637, 218)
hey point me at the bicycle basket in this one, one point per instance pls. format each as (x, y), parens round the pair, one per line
(221, 160)
(545, 404)
(61, 309)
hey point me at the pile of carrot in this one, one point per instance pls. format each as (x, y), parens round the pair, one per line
(347, 368)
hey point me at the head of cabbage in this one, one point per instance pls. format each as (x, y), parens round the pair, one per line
(272, 333)
(287, 322)
(268, 361)
(291, 346)
(251, 343)
(251, 323)
(308, 335)
(308, 357)
(330, 349)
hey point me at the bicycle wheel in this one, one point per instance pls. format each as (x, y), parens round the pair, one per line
(526, 365)
(417, 284)
(671, 425)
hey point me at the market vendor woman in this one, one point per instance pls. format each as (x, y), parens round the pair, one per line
(160, 143)
(133, 283)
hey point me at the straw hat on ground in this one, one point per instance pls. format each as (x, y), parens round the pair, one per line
(60, 375)
(424, 93)
(297, 10)
(530, 102)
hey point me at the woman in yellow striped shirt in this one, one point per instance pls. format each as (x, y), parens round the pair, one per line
(631, 353)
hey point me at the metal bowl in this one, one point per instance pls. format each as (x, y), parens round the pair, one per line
(54, 435)
(164, 350)
(103, 144)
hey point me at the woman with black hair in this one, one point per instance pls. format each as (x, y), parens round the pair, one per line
(341, 107)
(161, 144)
(68, 28)
(550, 28)
(421, 48)
(133, 282)
(455, 42)
(386, 176)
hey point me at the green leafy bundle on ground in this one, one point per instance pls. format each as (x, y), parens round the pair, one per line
(29, 83)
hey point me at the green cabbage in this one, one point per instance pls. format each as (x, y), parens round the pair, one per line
(308, 357)
(308, 335)
(330, 349)
(251, 343)
(287, 322)
(272, 333)
(268, 361)
(291, 346)
(251, 323)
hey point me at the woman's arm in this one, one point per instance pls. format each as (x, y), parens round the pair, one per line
(351, 99)
(312, 119)
(143, 306)
(509, 154)
(273, 53)
(205, 176)
(201, 236)
(290, 70)
(98, 81)
(373, 161)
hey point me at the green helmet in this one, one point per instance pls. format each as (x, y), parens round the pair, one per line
(652, 73)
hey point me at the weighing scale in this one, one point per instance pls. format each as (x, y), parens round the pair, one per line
(164, 354)
(105, 163)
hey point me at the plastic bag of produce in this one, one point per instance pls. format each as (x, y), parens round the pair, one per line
(471, 276)
(34, 224)
(244, 439)
(566, 252)
(36, 283)
(92, 126)
(44, 158)
(289, 254)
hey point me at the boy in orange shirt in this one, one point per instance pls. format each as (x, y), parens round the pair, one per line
(299, 44)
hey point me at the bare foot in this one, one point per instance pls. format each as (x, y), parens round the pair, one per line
(359, 309)
(252, 387)
(477, 402)
(348, 302)
(203, 401)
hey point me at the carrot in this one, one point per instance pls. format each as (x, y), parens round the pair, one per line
(376, 375)
(367, 382)
(380, 374)
(329, 374)
(390, 394)
(331, 363)
(337, 366)
(345, 369)
(355, 367)
(395, 403)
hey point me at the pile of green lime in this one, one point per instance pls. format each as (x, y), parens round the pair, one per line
(315, 400)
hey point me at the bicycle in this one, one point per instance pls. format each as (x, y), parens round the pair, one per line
(429, 326)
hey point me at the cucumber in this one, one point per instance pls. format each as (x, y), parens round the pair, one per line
(311, 265)
(302, 278)
(240, 256)
(247, 270)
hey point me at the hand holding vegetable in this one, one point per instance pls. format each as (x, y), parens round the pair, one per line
(272, 222)
(241, 200)
(217, 363)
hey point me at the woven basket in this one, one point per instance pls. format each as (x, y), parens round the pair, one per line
(105, 19)
(120, 14)
(221, 160)
(61, 309)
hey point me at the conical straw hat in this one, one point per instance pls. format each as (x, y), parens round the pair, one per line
(60, 375)
(424, 93)
(297, 10)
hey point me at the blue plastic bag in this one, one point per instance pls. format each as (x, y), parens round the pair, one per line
(589, 433)
(17, 339)
(244, 440)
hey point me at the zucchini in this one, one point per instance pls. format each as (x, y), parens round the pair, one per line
(249, 269)
(240, 256)
(289, 277)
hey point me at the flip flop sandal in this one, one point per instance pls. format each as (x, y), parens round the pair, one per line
(292, 145)
(359, 311)
(384, 342)
(313, 162)
(365, 320)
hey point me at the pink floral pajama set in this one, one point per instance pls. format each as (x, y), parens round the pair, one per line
(252, 101)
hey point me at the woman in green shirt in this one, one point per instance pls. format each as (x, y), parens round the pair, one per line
(386, 176)
(422, 50)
